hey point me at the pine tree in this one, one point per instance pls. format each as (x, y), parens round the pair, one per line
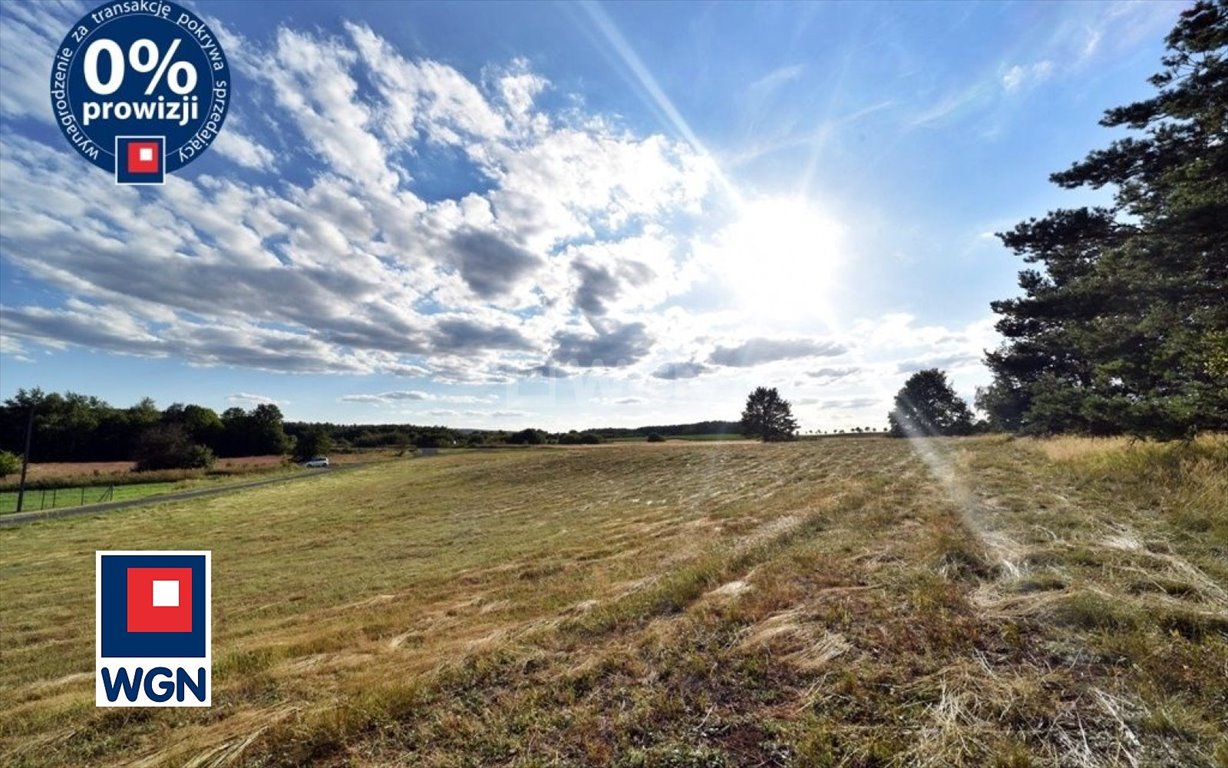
(1124, 325)
(927, 406)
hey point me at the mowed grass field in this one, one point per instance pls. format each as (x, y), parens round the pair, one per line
(854, 602)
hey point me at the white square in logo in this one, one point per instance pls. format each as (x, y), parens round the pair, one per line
(145, 153)
(165, 594)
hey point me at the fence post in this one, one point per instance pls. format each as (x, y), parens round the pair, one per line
(53, 493)
(42, 499)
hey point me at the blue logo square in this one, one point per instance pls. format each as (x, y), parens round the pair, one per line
(115, 638)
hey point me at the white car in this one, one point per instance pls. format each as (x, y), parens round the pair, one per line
(316, 461)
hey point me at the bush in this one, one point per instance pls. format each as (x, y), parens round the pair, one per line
(10, 463)
(527, 437)
(314, 442)
(580, 438)
(167, 447)
(656, 437)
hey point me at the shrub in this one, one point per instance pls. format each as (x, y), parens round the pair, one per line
(167, 447)
(314, 442)
(10, 463)
(527, 437)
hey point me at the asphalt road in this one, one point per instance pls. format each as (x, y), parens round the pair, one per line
(11, 520)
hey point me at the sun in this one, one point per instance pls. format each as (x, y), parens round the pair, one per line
(779, 258)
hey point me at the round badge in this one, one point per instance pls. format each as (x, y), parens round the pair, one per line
(140, 88)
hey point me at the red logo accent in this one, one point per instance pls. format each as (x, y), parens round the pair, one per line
(159, 599)
(143, 157)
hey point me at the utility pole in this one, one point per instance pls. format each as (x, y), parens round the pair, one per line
(25, 459)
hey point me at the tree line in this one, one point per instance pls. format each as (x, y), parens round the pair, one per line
(73, 427)
(76, 427)
(711, 427)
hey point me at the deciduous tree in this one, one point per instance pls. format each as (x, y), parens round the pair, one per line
(314, 442)
(768, 416)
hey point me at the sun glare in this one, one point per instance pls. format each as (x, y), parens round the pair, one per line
(780, 258)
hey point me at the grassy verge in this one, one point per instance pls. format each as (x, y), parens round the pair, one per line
(55, 498)
(835, 602)
(65, 478)
(60, 495)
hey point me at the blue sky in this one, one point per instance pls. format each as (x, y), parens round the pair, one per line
(563, 215)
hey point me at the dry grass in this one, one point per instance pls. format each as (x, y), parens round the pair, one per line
(822, 603)
(1081, 449)
(81, 471)
(78, 469)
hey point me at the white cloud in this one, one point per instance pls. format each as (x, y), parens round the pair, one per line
(830, 374)
(499, 414)
(1092, 44)
(247, 397)
(1020, 75)
(401, 396)
(851, 403)
(680, 370)
(776, 78)
(242, 149)
(386, 397)
(11, 347)
(31, 33)
(951, 103)
(518, 88)
(758, 351)
(361, 399)
(345, 268)
(311, 81)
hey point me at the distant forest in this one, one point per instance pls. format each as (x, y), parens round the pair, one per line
(732, 428)
(76, 427)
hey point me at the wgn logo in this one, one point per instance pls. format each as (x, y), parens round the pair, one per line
(154, 631)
